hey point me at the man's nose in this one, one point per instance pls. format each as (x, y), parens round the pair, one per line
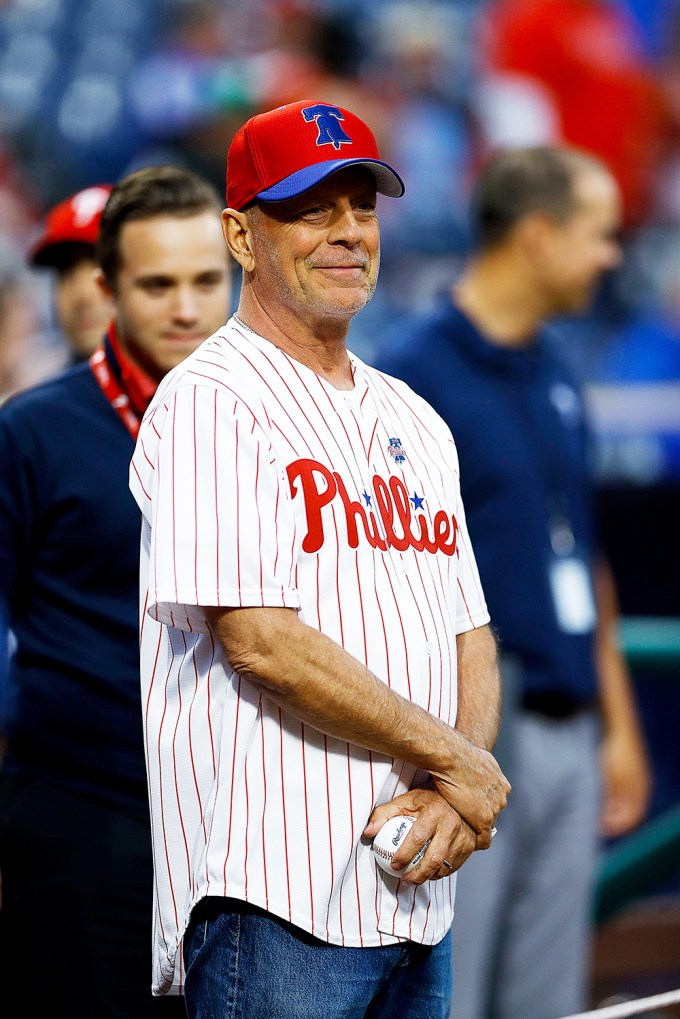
(345, 228)
(186, 305)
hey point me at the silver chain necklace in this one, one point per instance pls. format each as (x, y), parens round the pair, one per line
(243, 325)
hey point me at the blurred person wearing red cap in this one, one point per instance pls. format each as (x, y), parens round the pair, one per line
(75, 852)
(307, 590)
(67, 245)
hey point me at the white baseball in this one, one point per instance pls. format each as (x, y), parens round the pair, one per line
(388, 840)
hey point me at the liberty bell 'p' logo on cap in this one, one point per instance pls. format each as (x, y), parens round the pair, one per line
(283, 153)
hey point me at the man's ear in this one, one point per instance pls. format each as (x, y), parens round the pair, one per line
(536, 231)
(102, 282)
(238, 237)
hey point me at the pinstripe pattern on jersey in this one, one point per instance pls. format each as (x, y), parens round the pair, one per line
(246, 800)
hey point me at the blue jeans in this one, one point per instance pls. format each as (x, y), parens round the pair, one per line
(243, 963)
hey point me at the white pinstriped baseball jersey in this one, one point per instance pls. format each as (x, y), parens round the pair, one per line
(261, 484)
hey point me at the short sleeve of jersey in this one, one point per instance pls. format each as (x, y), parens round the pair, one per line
(471, 608)
(222, 528)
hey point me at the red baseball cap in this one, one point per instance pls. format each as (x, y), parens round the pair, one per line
(282, 153)
(73, 221)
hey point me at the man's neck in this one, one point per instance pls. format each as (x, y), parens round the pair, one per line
(502, 303)
(138, 383)
(323, 349)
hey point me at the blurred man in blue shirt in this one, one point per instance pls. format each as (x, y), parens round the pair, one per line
(546, 220)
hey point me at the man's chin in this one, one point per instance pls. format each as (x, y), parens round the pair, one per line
(347, 303)
(86, 344)
(576, 303)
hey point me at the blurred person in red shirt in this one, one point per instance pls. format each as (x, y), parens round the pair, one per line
(588, 59)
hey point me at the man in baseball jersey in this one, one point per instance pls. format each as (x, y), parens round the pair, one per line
(67, 244)
(546, 220)
(316, 654)
(75, 852)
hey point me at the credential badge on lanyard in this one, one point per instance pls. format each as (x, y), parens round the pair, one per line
(570, 581)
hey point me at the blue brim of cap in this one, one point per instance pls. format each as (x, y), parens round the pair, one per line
(387, 181)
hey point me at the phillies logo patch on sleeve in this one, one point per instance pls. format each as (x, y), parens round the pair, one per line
(331, 131)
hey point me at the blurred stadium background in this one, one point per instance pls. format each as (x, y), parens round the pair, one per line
(90, 89)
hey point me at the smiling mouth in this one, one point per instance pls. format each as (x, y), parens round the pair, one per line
(341, 268)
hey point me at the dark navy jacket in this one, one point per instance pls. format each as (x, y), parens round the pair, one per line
(69, 560)
(519, 429)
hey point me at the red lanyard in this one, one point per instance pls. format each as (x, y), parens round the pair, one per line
(114, 392)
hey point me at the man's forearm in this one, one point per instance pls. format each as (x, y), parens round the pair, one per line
(318, 682)
(627, 773)
(479, 687)
(616, 690)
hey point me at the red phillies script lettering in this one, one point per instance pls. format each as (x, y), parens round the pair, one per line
(401, 528)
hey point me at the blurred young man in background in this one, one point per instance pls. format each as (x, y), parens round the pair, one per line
(75, 846)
